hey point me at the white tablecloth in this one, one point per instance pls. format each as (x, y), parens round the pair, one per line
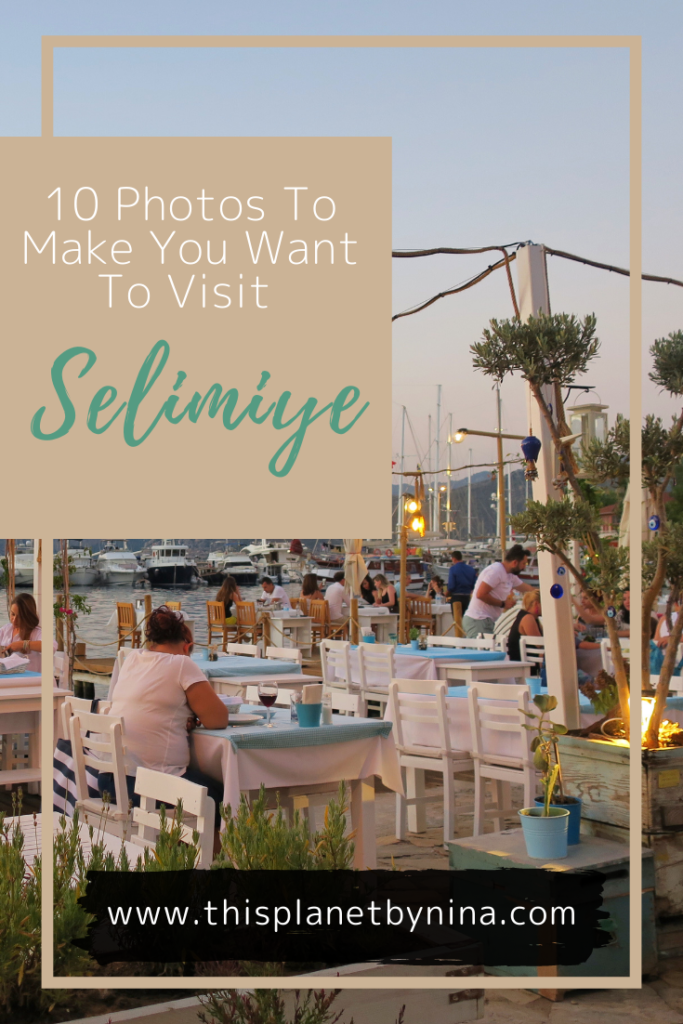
(505, 743)
(406, 666)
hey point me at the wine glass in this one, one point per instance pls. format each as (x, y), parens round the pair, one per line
(267, 694)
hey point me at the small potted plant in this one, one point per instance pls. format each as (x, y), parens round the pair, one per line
(547, 826)
(414, 638)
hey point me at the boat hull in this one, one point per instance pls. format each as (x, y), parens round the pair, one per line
(171, 575)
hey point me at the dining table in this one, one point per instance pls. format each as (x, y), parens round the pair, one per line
(425, 734)
(434, 663)
(20, 710)
(296, 761)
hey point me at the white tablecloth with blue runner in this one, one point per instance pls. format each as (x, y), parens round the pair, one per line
(287, 755)
(239, 665)
(452, 653)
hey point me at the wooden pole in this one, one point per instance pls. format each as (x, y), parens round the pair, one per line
(501, 496)
(355, 629)
(265, 621)
(404, 582)
(148, 611)
(457, 618)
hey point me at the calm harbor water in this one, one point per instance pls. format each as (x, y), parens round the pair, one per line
(100, 626)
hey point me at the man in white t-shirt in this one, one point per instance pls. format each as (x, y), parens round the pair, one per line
(493, 592)
(274, 592)
(335, 595)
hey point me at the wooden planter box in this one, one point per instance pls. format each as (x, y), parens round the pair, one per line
(598, 772)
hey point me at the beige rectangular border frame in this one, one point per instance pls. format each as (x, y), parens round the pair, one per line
(633, 44)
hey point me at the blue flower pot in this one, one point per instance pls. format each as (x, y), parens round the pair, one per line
(545, 838)
(369, 638)
(574, 827)
(309, 715)
(415, 644)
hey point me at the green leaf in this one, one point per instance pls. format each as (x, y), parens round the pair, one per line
(561, 730)
(535, 742)
(540, 760)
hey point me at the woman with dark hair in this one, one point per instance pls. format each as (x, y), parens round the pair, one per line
(228, 594)
(23, 634)
(436, 587)
(161, 694)
(310, 588)
(367, 590)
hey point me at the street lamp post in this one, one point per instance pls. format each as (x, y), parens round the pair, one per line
(464, 432)
(412, 518)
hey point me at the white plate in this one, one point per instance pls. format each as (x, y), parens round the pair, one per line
(245, 719)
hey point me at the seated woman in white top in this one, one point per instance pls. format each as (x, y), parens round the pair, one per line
(161, 694)
(22, 634)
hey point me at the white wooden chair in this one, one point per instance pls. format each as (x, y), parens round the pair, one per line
(335, 664)
(198, 811)
(422, 702)
(344, 703)
(484, 644)
(489, 722)
(106, 739)
(532, 648)
(285, 654)
(606, 653)
(247, 650)
(78, 705)
(375, 660)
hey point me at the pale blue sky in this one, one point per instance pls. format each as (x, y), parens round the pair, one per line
(489, 146)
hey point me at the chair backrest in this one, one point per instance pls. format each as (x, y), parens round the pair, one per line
(606, 653)
(335, 662)
(245, 613)
(495, 709)
(320, 612)
(285, 654)
(125, 614)
(532, 649)
(294, 602)
(421, 702)
(169, 789)
(174, 605)
(419, 610)
(341, 700)
(486, 644)
(215, 613)
(76, 705)
(304, 604)
(375, 659)
(248, 650)
(97, 741)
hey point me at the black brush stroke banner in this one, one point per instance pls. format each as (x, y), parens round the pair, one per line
(377, 916)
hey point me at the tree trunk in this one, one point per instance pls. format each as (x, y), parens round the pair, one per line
(662, 692)
(619, 674)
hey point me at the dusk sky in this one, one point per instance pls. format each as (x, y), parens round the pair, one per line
(489, 147)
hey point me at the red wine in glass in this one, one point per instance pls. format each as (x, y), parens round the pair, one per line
(267, 693)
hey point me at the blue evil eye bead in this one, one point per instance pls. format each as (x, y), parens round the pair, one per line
(653, 522)
(556, 590)
(561, 570)
(611, 612)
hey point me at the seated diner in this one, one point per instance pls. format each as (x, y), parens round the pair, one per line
(23, 634)
(162, 695)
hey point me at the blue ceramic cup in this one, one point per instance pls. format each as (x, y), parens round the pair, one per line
(369, 639)
(534, 685)
(309, 715)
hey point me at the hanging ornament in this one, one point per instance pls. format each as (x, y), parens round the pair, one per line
(611, 612)
(530, 446)
(561, 570)
(556, 591)
(653, 522)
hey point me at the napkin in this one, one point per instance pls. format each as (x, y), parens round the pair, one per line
(312, 694)
(15, 663)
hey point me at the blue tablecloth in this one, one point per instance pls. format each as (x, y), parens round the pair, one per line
(238, 665)
(585, 706)
(452, 653)
(21, 677)
(290, 734)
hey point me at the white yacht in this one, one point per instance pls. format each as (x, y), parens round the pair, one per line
(283, 560)
(119, 566)
(170, 566)
(230, 563)
(23, 563)
(82, 572)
